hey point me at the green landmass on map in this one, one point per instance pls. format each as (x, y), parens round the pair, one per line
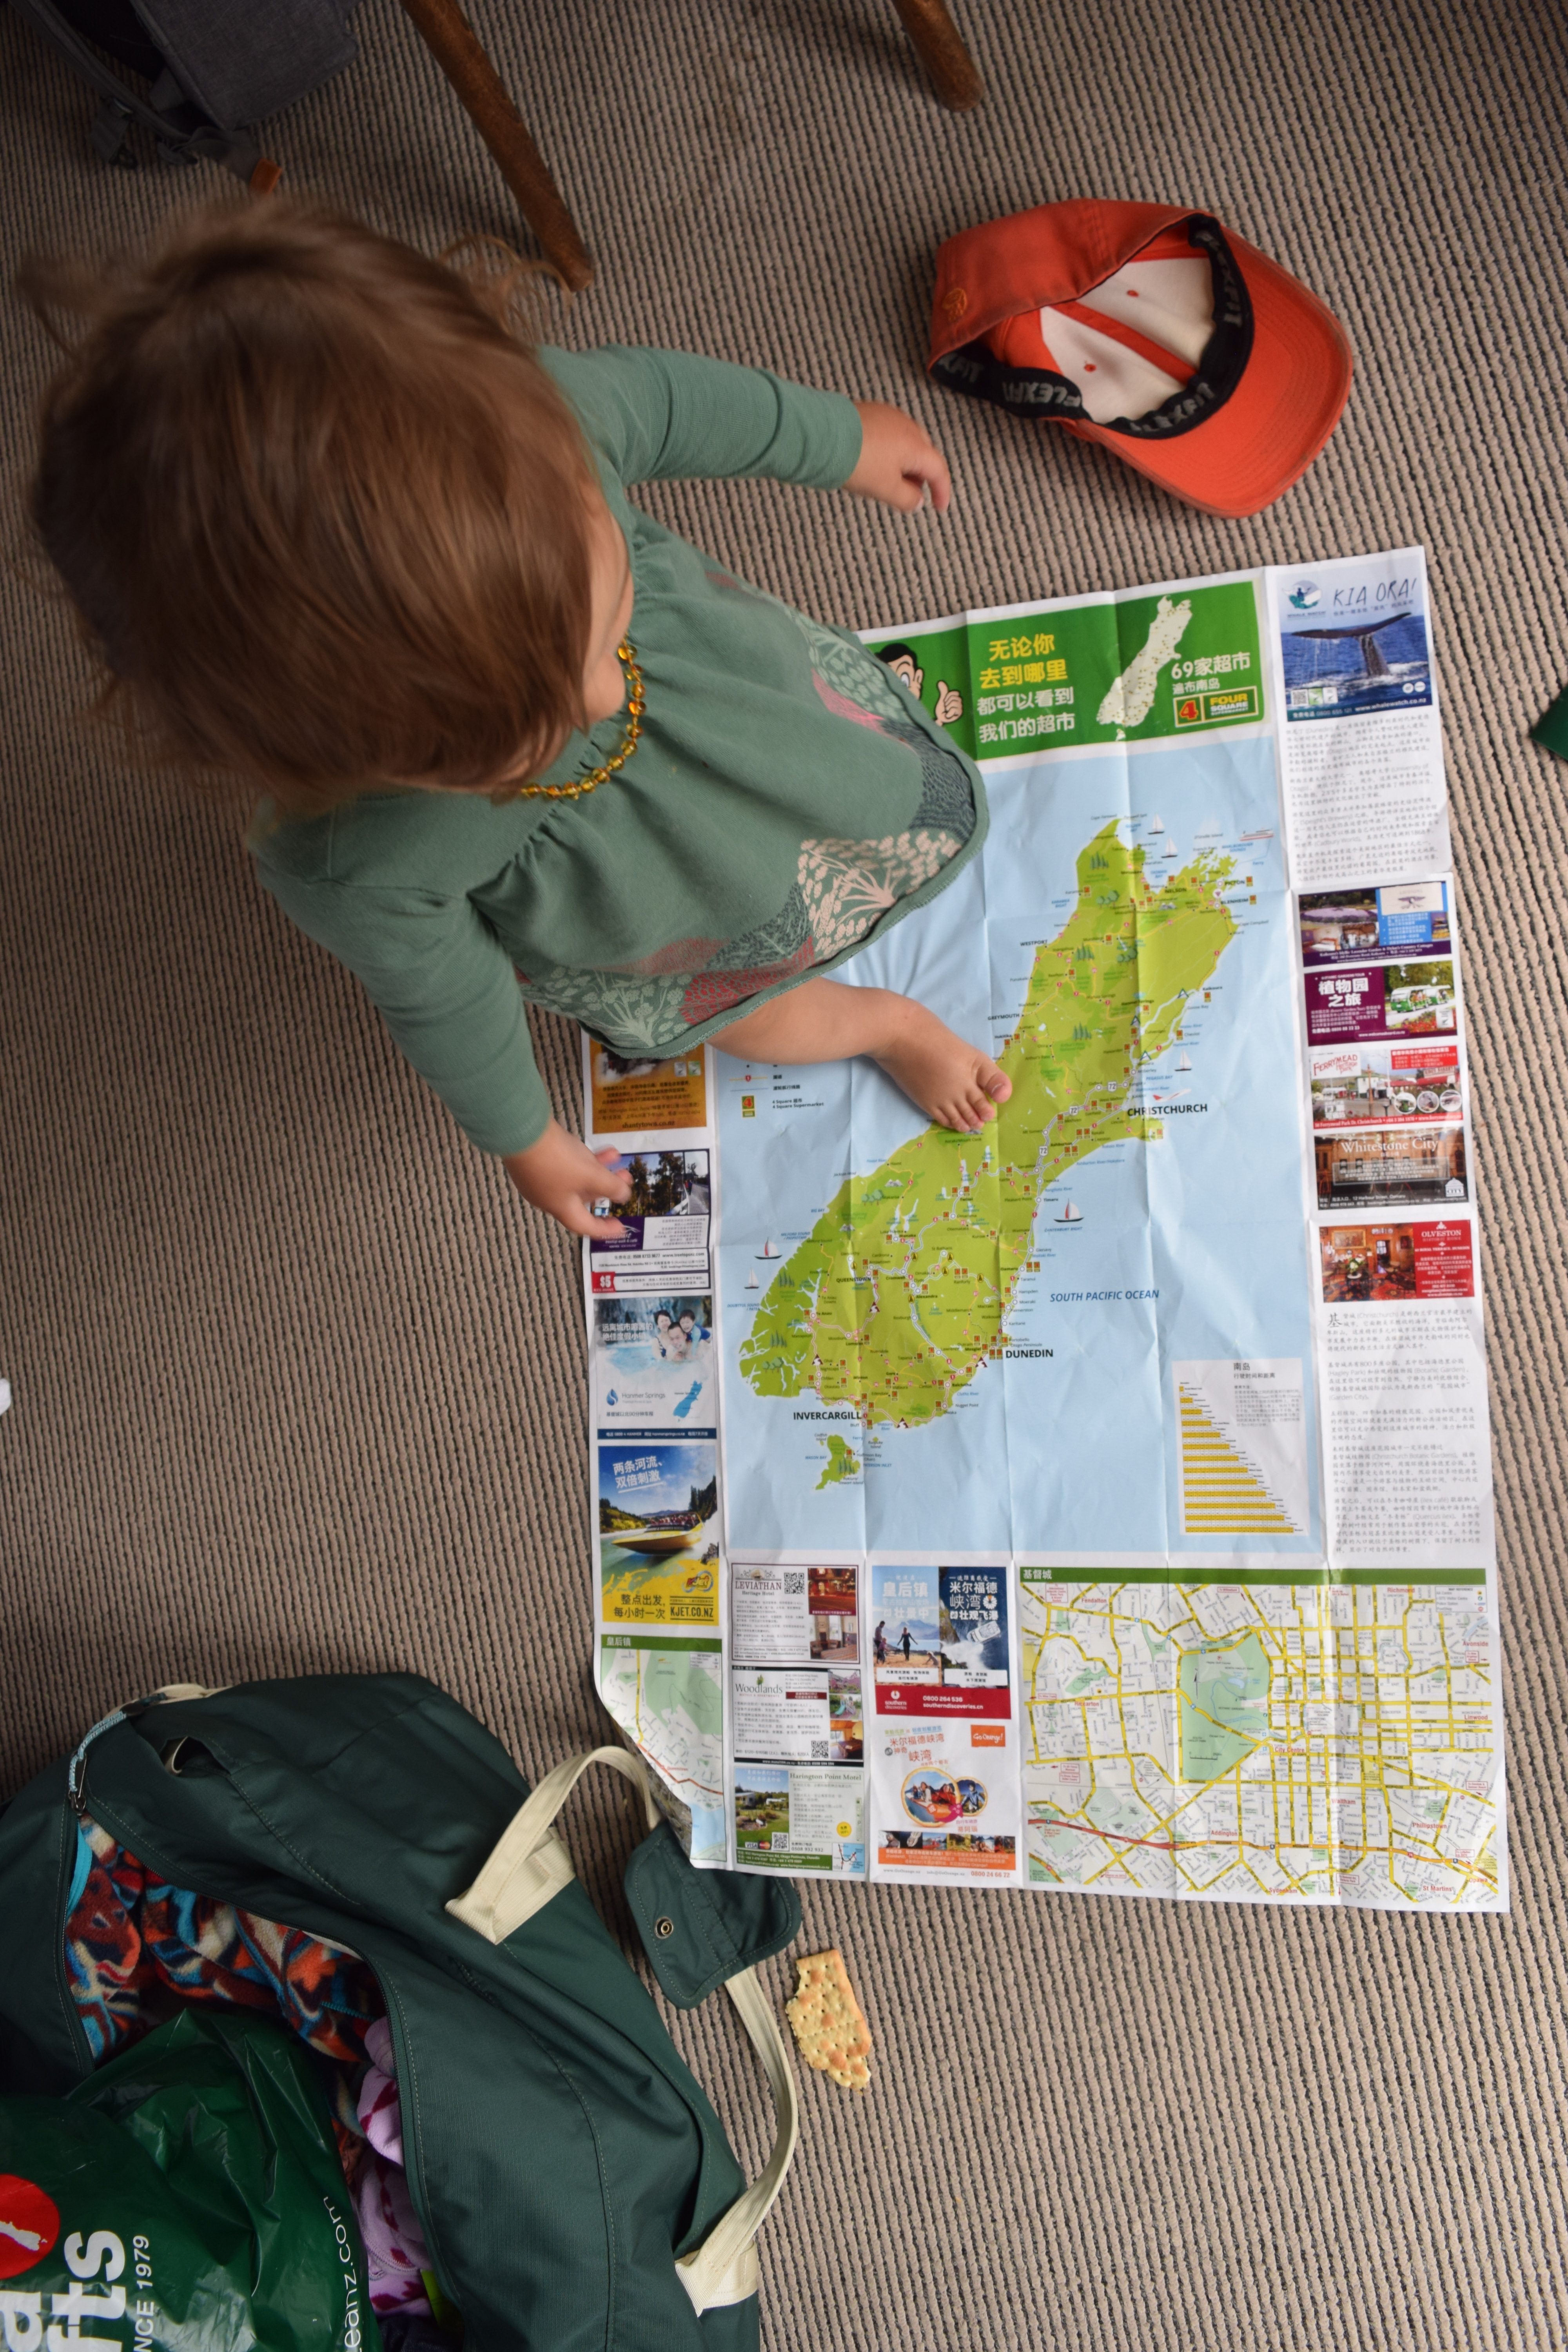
(842, 1463)
(900, 1292)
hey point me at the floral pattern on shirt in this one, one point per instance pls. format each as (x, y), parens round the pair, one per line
(849, 886)
(637, 1016)
(866, 683)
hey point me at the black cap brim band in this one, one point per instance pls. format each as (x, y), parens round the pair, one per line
(976, 370)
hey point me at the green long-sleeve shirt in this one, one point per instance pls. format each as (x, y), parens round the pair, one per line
(787, 802)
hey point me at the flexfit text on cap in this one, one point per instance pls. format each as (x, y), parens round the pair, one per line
(1153, 331)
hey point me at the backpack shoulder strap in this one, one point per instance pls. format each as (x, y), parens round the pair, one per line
(526, 1867)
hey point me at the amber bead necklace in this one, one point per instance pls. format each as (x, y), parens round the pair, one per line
(626, 653)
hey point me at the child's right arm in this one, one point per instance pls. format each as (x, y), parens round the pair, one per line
(446, 991)
(563, 1178)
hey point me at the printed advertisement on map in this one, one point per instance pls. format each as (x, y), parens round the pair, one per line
(1108, 670)
(793, 1613)
(1406, 920)
(796, 1715)
(1379, 1086)
(933, 664)
(1361, 748)
(651, 1363)
(1352, 638)
(800, 1819)
(666, 1220)
(942, 1747)
(1129, 668)
(796, 1732)
(658, 1534)
(945, 1801)
(630, 1096)
(1365, 1167)
(1391, 1000)
(939, 1643)
(1403, 1376)
(1385, 1263)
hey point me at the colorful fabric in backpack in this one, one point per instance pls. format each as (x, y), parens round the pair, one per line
(129, 1930)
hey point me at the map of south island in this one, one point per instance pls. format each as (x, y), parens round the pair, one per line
(903, 1289)
(1129, 698)
(1055, 1336)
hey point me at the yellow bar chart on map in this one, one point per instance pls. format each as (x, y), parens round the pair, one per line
(1241, 1431)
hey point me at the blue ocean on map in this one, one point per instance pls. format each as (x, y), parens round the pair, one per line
(1149, 1254)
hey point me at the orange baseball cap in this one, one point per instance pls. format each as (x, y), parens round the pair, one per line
(1153, 331)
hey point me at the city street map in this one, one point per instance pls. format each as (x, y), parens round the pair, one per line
(1102, 1501)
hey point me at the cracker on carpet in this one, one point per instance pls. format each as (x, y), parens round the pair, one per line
(827, 2020)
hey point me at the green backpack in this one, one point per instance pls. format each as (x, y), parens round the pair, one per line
(573, 2184)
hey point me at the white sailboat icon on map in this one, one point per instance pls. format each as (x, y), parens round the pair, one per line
(752, 1282)
(1183, 1060)
(1157, 824)
(1071, 1214)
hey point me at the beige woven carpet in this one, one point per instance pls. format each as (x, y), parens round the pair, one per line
(300, 1386)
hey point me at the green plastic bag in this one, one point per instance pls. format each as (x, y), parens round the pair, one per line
(186, 2198)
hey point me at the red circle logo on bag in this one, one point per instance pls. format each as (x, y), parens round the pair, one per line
(29, 2224)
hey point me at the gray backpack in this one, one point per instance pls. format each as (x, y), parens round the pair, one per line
(211, 70)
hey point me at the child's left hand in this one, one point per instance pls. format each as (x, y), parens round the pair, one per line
(897, 460)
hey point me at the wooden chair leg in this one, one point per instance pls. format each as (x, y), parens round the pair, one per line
(456, 50)
(940, 43)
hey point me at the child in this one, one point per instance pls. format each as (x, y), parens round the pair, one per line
(337, 533)
(668, 1338)
(691, 1331)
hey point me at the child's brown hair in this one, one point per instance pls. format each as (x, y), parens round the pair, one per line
(323, 513)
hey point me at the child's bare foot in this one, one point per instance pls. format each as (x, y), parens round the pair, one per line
(824, 1021)
(951, 1082)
